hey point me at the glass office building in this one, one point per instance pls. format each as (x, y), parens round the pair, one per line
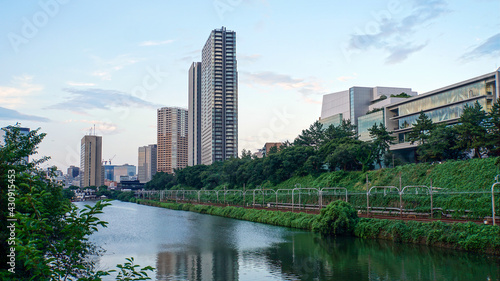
(367, 121)
(443, 105)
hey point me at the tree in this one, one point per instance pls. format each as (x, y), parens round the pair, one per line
(246, 154)
(441, 145)
(344, 130)
(381, 141)
(312, 136)
(51, 241)
(494, 128)
(472, 130)
(421, 129)
(68, 193)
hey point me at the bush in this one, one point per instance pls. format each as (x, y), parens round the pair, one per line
(338, 218)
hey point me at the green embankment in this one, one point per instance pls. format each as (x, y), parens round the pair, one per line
(466, 175)
(340, 218)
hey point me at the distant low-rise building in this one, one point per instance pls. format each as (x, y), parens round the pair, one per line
(127, 171)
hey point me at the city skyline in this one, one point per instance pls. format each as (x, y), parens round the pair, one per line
(64, 72)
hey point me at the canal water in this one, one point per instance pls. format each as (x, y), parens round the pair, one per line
(190, 246)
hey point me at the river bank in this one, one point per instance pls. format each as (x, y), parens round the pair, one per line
(459, 236)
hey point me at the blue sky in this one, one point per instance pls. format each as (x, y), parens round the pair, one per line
(67, 65)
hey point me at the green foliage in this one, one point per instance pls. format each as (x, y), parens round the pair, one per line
(311, 137)
(161, 181)
(441, 145)
(287, 219)
(338, 218)
(68, 193)
(51, 235)
(494, 128)
(402, 95)
(421, 129)
(381, 141)
(130, 271)
(472, 130)
(463, 236)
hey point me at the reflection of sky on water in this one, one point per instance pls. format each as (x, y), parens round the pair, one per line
(191, 246)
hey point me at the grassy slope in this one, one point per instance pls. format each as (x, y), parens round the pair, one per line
(468, 175)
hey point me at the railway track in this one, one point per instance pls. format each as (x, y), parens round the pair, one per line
(361, 214)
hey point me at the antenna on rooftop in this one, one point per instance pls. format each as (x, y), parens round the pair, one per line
(94, 129)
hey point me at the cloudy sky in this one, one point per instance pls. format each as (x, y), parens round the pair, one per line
(66, 66)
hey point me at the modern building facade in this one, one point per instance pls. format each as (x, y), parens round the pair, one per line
(386, 106)
(357, 101)
(91, 170)
(125, 171)
(147, 162)
(444, 105)
(172, 136)
(194, 115)
(219, 97)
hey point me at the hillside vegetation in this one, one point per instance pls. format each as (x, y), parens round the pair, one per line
(466, 175)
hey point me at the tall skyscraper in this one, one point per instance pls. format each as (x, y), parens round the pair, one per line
(172, 139)
(91, 171)
(194, 115)
(147, 162)
(219, 97)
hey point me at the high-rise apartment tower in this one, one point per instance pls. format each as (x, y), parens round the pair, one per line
(194, 115)
(219, 97)
(172, 139)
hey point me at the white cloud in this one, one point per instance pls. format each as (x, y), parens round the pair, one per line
(101, 127)
(307, 87)
(82, 100)
(395, 35)
(10, 114)
(490, 47)
(107, 67)
(22, 87)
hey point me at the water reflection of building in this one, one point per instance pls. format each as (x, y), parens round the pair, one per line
(217, 265)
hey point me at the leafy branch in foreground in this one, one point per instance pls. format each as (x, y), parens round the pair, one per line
(51, 239)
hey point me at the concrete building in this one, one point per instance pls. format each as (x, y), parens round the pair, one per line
(123, 172)
(267, 147)
(381, 105)
(444, 105)
(147, 162)
(172, 139)
(357, 101)
(194, 115)
(91, 170)
(219, 97)
(73, 171)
